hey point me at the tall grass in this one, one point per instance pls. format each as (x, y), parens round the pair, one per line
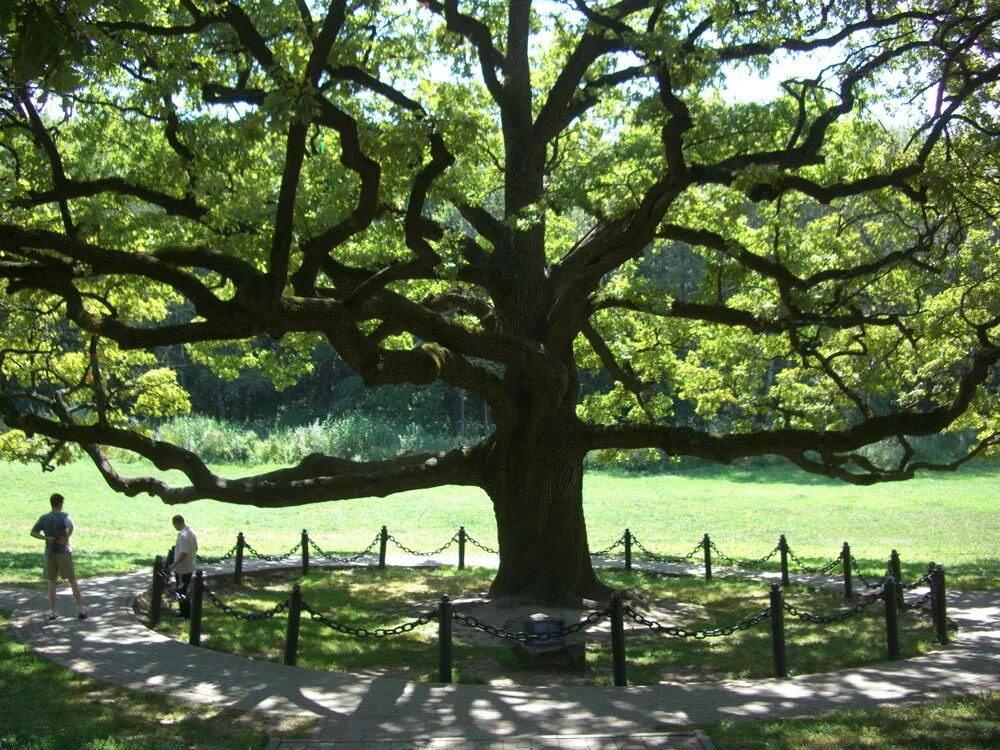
(354, 436)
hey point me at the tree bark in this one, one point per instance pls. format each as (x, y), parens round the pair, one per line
(535, 480)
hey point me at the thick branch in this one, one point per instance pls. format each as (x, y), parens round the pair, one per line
(796, 442)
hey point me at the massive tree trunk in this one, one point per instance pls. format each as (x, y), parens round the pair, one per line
(534, 476)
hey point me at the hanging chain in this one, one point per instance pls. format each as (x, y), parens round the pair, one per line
(438, 551)
(856, 570)
(483, 547)
(606, 550)
(522, 636)
(352, 558)
(839, 617)
(365, 632)
(659, 627)
(926, 579)
(806, 569)
(745, 563)
(272, 558)
(918, 603)
(664, 558)
(248, 616)
(214, 560)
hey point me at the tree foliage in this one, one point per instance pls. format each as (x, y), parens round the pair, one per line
(502, 196)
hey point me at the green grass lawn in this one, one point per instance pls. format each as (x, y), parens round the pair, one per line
(970, 723)
(950, 519)
(48, 707)
(371, 599)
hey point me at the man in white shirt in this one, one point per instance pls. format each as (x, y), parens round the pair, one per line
(185, 556)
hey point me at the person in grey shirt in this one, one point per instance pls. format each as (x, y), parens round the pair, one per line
(55, 528)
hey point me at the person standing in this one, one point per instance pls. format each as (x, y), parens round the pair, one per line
(185, 556)
(55, 528)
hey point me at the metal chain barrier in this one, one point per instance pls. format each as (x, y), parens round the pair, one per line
(522, 636)
(806, 569)
(826, 619)
(918, 603)
(352, 558)
(606, 550)
(365, 632)
(483, 547)
(659, 627)
(248, 616)
(924, 580)
(745, 563)
(664, 558)
(856, 570)
(213, 560)
(438, 551)
(272, 558)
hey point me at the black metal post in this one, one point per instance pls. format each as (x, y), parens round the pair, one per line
(156, 595)
(383, 537)
(461, 548)
(783, 549)
(444, 640)
(845, 556)
(238, 567)
(618, 641)
(778, 631)
(197, 595)
(628, 550)
(891, 617)
(305, 552)
(939, 604)
(292, 631)
(707, 544)
(896, 571)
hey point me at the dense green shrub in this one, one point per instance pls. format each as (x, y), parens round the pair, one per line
(354, 436)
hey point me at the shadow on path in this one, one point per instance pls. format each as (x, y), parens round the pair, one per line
(115, 647)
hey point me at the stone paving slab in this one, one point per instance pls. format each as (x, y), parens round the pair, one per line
(696, 740)
(115, 647)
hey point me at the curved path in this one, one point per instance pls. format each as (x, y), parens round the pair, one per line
(114, 646)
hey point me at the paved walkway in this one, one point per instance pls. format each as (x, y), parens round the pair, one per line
(114, 646)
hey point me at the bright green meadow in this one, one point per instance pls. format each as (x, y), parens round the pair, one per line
(950, 519)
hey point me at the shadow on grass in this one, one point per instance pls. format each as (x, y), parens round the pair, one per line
(958, 724)
(48, 707)
(27, 567)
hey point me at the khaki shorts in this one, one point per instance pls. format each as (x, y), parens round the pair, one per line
(59, 564)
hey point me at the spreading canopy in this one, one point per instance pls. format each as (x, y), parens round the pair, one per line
(571, 209)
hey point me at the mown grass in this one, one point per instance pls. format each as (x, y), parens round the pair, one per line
(956, 724)
(370, 598)
(48, 707)
(949, 519)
